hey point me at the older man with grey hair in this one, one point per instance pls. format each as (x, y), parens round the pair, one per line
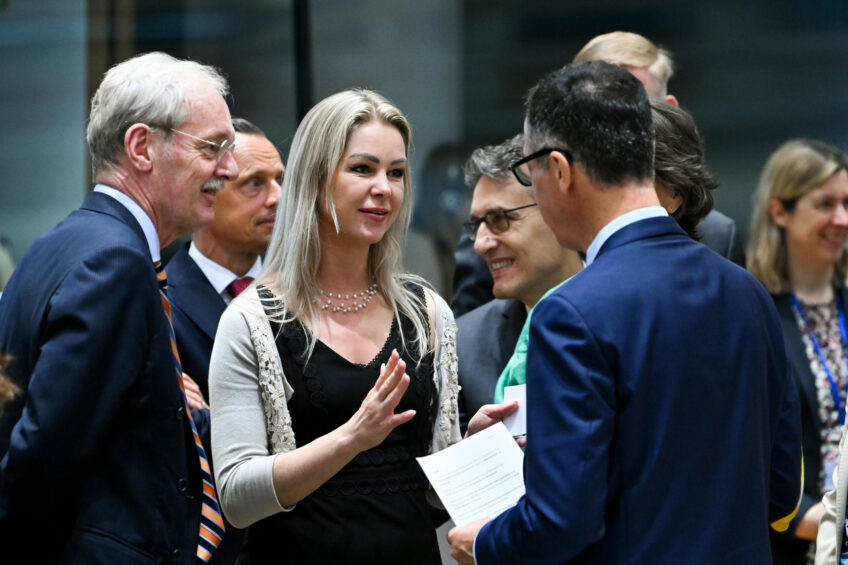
(101, 458)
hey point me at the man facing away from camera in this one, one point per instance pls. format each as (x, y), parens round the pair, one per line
(662, 426)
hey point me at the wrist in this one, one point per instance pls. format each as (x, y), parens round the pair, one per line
(348, 441)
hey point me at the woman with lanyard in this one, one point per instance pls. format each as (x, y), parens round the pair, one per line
(797, 250)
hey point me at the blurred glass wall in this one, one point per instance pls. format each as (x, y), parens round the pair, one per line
(753, 74)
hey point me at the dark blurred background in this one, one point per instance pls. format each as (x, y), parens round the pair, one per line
(752, 73)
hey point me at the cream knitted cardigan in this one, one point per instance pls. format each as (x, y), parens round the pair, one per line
(249, 397)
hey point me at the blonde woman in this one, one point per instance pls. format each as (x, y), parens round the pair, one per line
(335, 370)
(797, 250)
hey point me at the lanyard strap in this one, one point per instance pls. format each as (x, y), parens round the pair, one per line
(838, 401)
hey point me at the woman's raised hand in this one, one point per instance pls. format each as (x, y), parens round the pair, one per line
(376, 416)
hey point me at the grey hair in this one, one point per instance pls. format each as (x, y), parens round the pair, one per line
(494, 161)
(149, 89)
(294, 254)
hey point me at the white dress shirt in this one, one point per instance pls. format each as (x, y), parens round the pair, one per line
(624, 220)
(140, 216)
(219, 276)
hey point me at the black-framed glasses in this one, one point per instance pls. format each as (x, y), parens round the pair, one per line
(523, 178)
(216, 149)
(497, 221)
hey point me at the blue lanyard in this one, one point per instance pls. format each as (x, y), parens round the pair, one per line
(831, 380)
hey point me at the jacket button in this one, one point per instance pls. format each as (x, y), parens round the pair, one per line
(182, 486)
(176, 555)
(180, 413)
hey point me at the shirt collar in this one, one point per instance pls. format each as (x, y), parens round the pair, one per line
(140, 216)
(622, 221)
(219, 276)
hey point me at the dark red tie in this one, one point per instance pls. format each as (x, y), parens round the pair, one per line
(237, 286)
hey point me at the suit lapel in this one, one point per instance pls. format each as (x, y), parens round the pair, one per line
(798, 356)
(515, 314)
(190, 291)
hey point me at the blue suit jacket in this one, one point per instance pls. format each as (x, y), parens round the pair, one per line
(196, 309)
(98, 464)
(663, 424)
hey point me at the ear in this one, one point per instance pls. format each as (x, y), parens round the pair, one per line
(671, 99)
(137, 146)
(561, 170)
(778, 213)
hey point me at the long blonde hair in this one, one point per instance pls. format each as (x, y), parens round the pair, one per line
(794, 169)
(294, 255)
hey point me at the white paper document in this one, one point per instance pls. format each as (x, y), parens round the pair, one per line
(479, 477)
(516, 422)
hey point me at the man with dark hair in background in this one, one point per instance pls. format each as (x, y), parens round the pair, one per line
(224, 257)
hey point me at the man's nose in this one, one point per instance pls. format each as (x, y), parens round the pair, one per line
(227, 167)
(485, 240)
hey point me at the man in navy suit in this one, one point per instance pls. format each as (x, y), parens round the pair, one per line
(220, 261)
(223, 257)
(663, 426)
(99, 463)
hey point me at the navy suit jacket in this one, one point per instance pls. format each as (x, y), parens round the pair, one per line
(663, 424)
(196, 309)
(485, 340)
(98, 464)
(472, 282)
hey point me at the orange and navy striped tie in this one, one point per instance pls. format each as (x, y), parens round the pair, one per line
(211, 522)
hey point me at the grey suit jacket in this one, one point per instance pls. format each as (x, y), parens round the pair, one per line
(485, 339)
(718, 232)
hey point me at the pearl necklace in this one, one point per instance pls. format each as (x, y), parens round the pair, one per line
(358, 300)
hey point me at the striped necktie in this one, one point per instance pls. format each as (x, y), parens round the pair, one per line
(211, 522)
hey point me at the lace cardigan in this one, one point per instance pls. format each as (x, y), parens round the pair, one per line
(248, 394)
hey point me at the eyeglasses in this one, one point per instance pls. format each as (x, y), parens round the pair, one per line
(496, 220)
(216, 149)
(521, 177)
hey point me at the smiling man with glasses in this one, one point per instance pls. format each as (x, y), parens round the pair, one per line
(523, 257)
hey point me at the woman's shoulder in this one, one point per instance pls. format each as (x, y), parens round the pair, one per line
(249, 307)
(435, 305)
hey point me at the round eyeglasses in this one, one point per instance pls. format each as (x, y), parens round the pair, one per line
(215, 150)
(497, 221)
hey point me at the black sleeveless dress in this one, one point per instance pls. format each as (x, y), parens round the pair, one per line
(374, 510)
